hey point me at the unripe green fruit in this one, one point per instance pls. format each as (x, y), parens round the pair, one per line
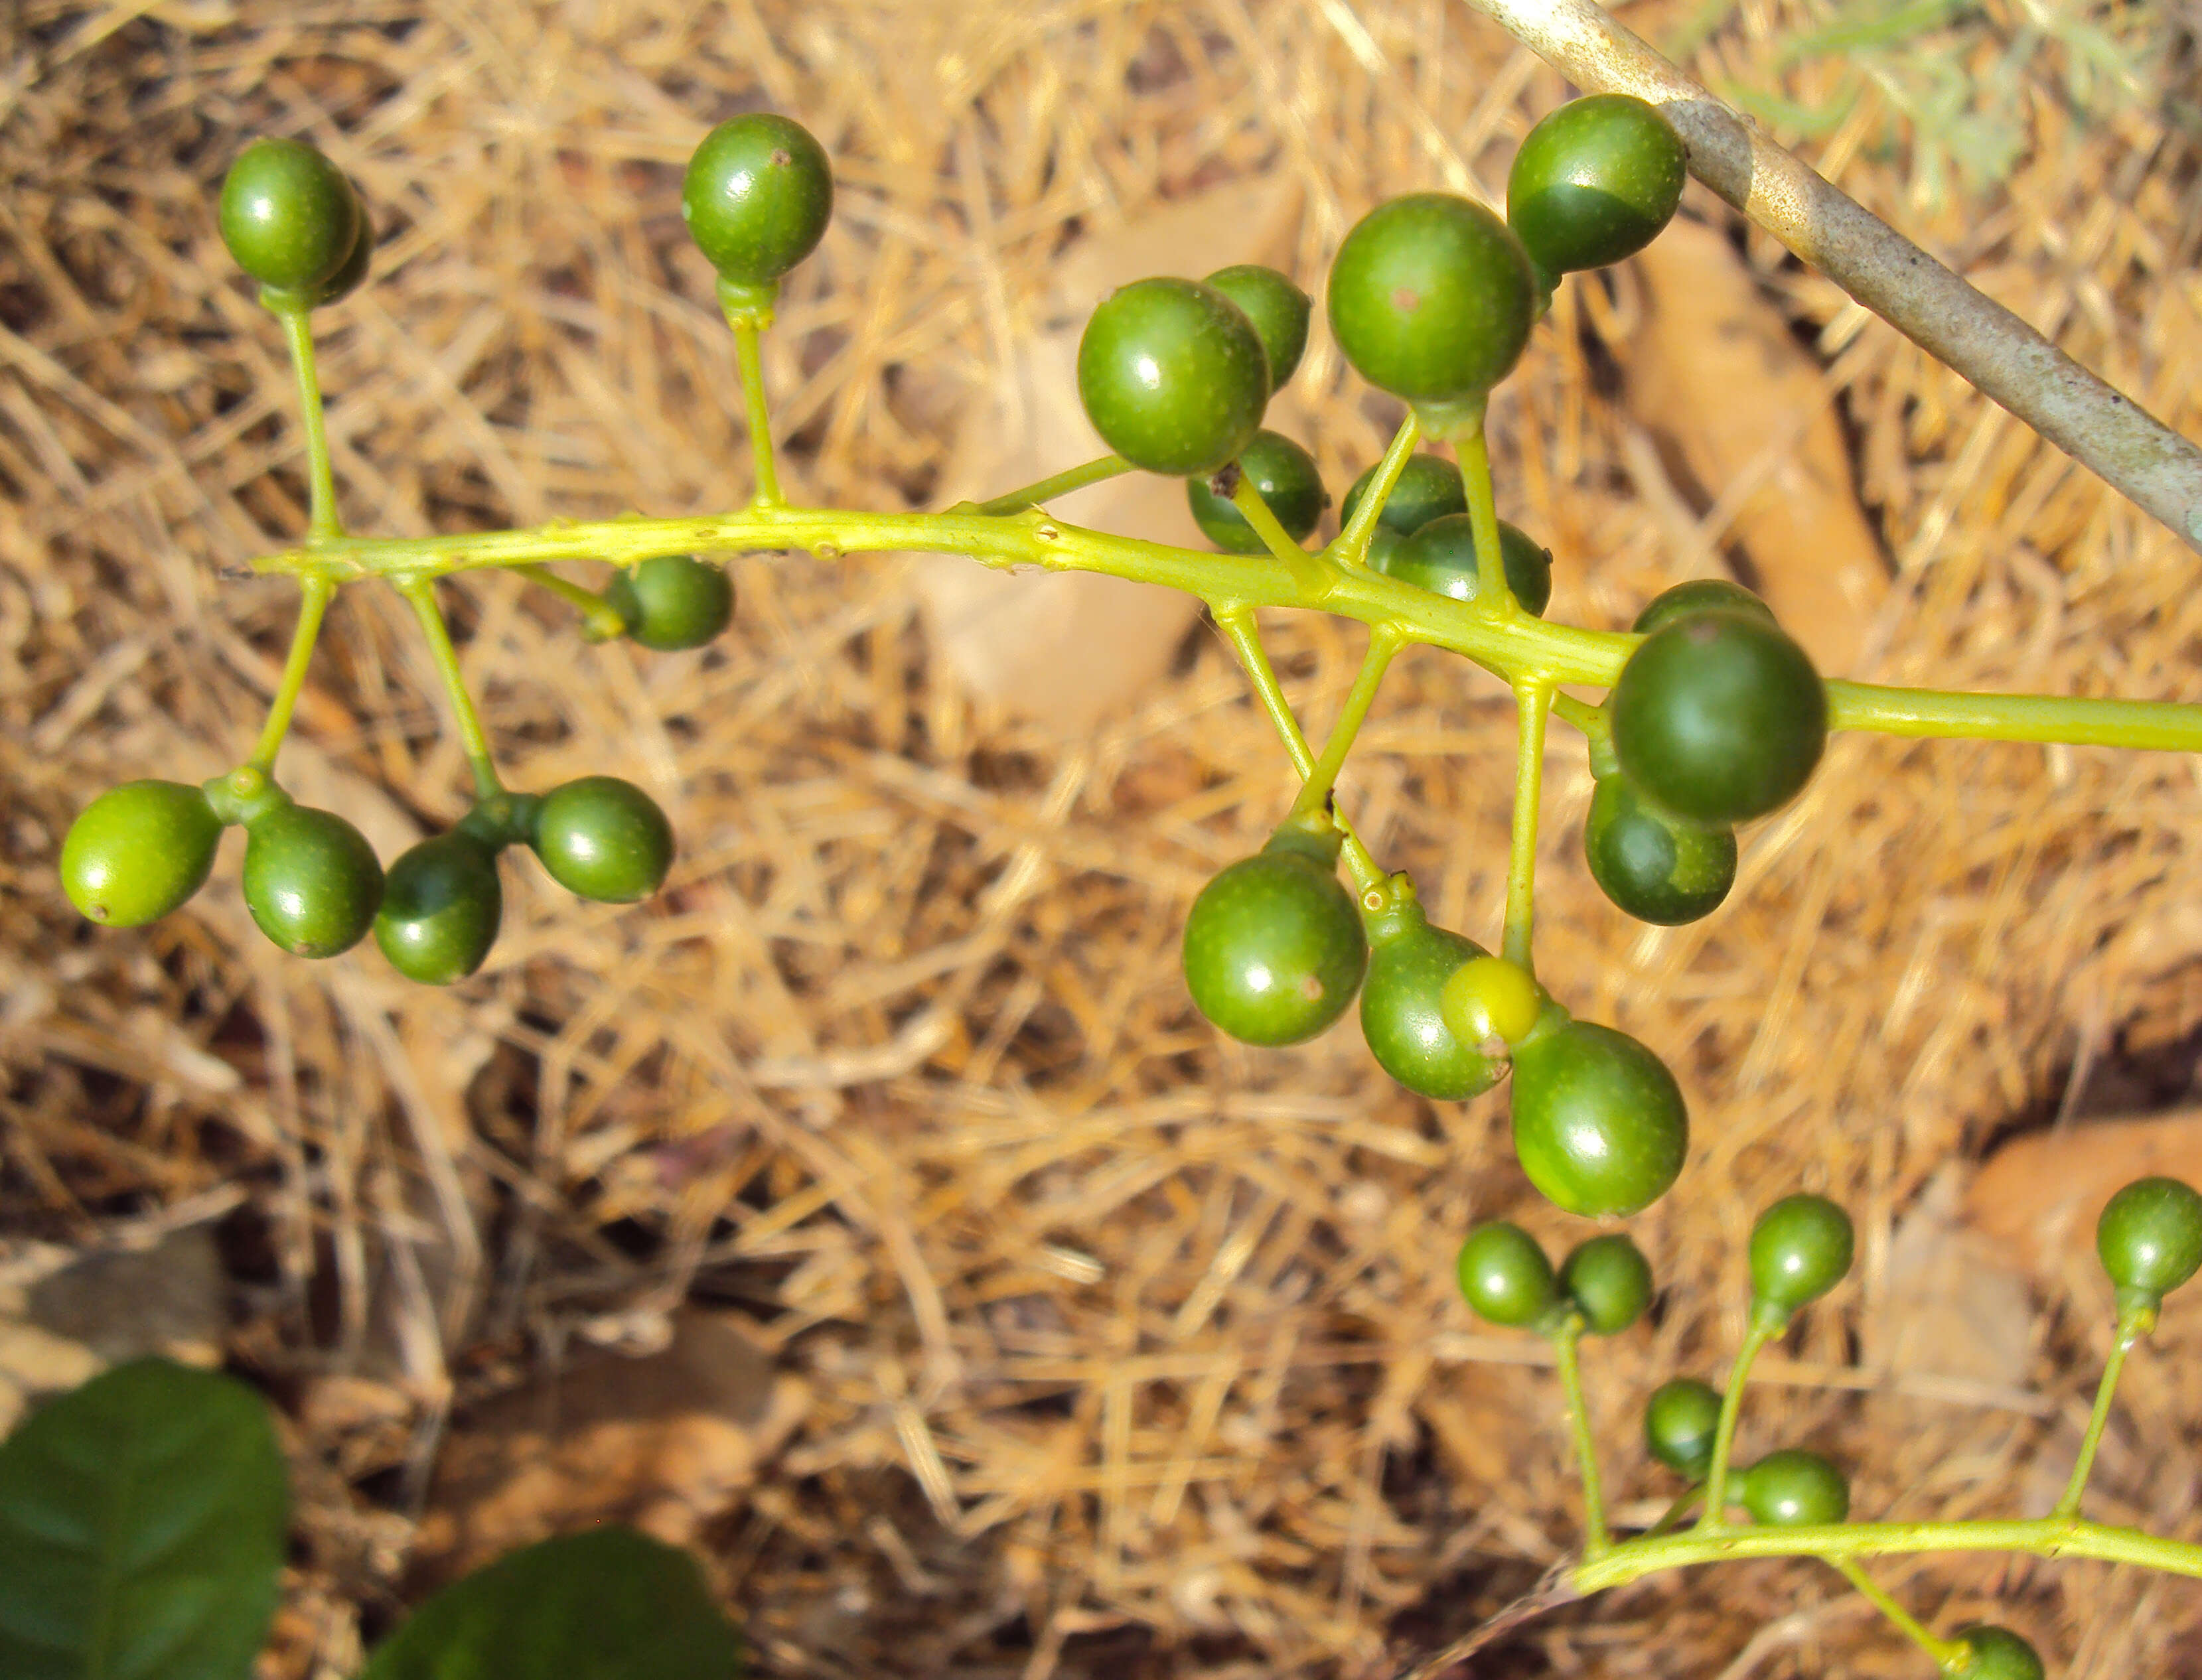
(137, 851)
(1599, 1124)
(1594, 182)
(352, 272)
(1278, 308)
(1428, 487)
(1679, 1422)
(1504, 1275)
(604, 838)
(1610, 1282)
(1800, 1248)
(1996, 1654)
(1792, 1488)
(1695, 595)
(288, 215)
(1658, 868)
(441, 906)
(673, 602)
(757, 196)
(1431, 298)
(2150, 1236)
(1283, 475)
(1273, 948)
(1172, 376)
(1440, 557)
(311, 880)
(1409, 963)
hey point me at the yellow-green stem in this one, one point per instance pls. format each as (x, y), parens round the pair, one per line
(421, 593)
(1675, 1513)
(600, 619)
(1311, 572)
(1314, 790)
(750, 364)
(1483, 522)
(1240, 629)
(1060, 484)
(1597, 1536)
(1947, 1654)
(2132, 1326)
(296, 321)
(315, 595)
(1765, 1325)
(1534, 700)
(1352, 546)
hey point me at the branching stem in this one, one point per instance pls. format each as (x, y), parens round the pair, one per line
(1060, 484)
(421, 593)
(1533, 699)
(1351, 547)
(1316, 789)
(1310, 572)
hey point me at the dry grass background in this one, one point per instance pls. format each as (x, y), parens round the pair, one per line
(1128, 1352)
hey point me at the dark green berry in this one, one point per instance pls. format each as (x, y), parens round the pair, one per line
(1792, 1488)
(1679, 1422)
(2150, 1236)
(1172, 376)
(1599, 1124)
(288, 215)
(1993, 1653)
(441, 905)
(1273, 948)
(1720, 717)
(137, 851)
(1428, 487)
(1431, 298)
(1800, 1248)
(1656, 866)
(604, 838)
(352, 272)
(1594, 182)
(311, 880)
(1284, 476)
(1609, 1281)
(1698, 595)
(1505, 1277)
(673, 602)
(758, 194)
(1440, 557)
(1278, 308)
(1409, 963)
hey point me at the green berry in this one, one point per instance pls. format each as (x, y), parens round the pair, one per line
(673, 602)
(1505, 1277)
(352, 272)
(1428, 487)
(288, 215)
(1599, 1124)
(1610, 1282)
(1431, 298)
(441, 905)
(1273, 948)
(1440, 557)
(1679, 1422)
(1656, 866)
(2150, 1236)
(1792, 1488)
(1384, 546)
(1800, 1248)
(1594, 182)
(757, 196)
(1172, 376)
(1994, 1653)
(1698, 595)
(1719, 717)
(1278, 308)
(1409, 963)
(1284, 476)
(604, 838)
(311, 880)
(137, 851)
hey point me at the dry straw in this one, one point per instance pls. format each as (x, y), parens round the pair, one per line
(1133, 1353)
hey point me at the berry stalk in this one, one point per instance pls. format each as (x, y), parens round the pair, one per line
(294, 316)
(1566, 1340)
(1533, 698)
(315, 594)
(1947, 1655)
(420, 594)
(2133, 1323)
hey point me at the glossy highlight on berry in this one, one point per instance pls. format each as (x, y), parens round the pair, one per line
(1594, 182)
(288, 215)
(2150, 1236)
(1658, 868)
(311, 880)
(1410, 962)
(1273, 948)
(757, 196)
(604, 838)
(138, 851)
(1432, 297)
(1172, 376)
(1505, 1277)
(1608, 1281)
(1599, 1124)
(1680, 1421)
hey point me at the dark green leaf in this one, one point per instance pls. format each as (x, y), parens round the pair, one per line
(142, 1524)
(607, 1605)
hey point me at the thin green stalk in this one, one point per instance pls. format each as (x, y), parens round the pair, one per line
(1310, 571)
(421, 593)
(1246, 638)
(1675, 1513)
(315, 595)
(1314, 790)
(600, 619)
(1492, 593)
(1597, 1537)
(750, 363)
(1947, 1654)
(1517, 644)
(1061, 483)
(1533, 699)
(296, 318)
(2132, 1326)
(1352, 546)
(1764, 1327)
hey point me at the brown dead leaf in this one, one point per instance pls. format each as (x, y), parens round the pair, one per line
(1714, 373)
(664, 1441)
(2039, 1195)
